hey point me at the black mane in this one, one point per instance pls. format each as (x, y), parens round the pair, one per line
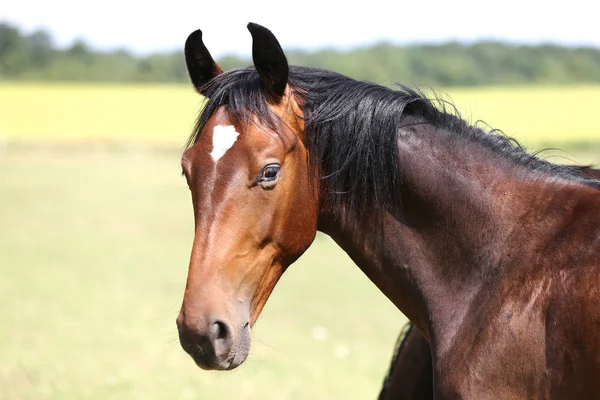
(352, 127)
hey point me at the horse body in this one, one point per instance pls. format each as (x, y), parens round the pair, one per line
(492, 253)
(410, 374)
(485, 298)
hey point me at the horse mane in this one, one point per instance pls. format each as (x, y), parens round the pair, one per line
(352, 128)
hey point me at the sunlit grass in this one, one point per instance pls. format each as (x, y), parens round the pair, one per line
(161, 114)
(93, 259)
(537, 116)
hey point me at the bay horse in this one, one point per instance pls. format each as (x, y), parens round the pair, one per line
(492, 253)
(410, 375)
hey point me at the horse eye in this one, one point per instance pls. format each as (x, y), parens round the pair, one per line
(269, 173)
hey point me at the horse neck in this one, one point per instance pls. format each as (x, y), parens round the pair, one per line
(460, 206)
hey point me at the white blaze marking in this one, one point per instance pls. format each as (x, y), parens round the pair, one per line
(223, 138)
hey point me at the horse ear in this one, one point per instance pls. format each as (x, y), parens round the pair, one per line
(269, 60)
(200, 64)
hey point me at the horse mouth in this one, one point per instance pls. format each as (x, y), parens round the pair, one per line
(231, 362)
(206, 358)
(215, 366)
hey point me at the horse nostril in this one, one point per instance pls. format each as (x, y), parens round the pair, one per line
(209, 341)
(220, 330)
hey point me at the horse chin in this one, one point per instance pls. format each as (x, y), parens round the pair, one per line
(237, 360)
(239, 354)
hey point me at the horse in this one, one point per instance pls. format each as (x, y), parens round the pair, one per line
(410, 375)
(491, 252)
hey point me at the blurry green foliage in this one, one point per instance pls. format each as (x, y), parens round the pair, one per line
(35, 57)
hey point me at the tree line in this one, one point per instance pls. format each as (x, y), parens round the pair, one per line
(35, 56)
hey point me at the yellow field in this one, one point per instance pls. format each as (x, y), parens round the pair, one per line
(164, 114)
(559, 115)
(50, 112)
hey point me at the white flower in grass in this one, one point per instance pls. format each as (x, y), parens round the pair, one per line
(319, 332)
(342, 352)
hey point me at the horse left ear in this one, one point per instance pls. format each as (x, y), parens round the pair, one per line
(200, 64)
(269, 60)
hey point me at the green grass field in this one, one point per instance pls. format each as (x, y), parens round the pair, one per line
(93, 259)
(94, 248)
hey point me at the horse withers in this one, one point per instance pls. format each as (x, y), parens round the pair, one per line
(491, 252)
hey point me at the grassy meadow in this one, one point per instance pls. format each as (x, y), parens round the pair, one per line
(95, 234)
(94, 252)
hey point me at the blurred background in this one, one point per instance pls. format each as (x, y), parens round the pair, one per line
(96, 222)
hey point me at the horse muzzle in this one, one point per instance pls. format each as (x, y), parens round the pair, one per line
(213, 343)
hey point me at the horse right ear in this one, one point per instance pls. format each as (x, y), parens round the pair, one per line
(200, 64)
